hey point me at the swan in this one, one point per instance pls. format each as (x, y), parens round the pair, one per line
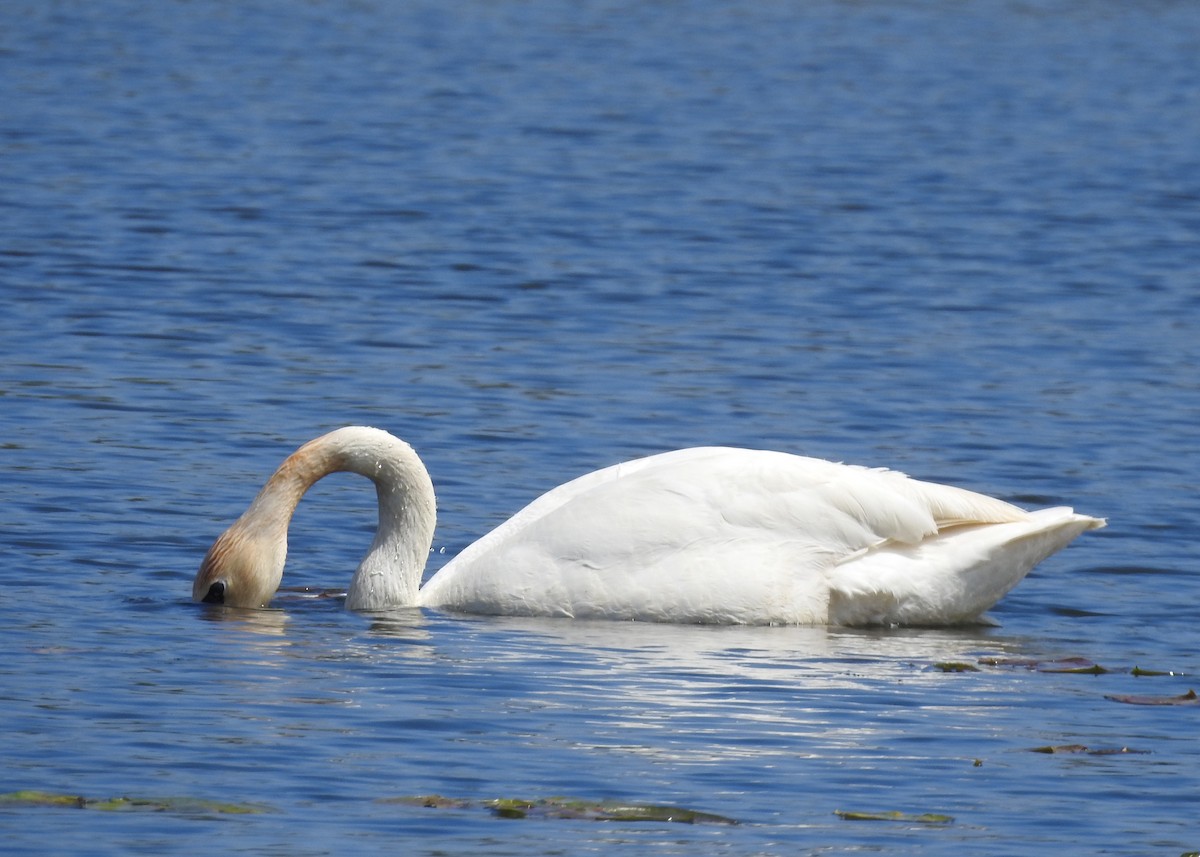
(704, 535)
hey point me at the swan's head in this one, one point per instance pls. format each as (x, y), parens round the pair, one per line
(241, 569)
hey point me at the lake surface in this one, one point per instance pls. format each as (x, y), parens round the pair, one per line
(536, 238)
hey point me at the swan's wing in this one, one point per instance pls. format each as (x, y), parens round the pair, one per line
(706, 534)
(758, 486)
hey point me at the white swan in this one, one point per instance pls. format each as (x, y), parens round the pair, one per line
(714, 535)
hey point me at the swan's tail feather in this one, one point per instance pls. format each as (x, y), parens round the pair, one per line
(952, 578)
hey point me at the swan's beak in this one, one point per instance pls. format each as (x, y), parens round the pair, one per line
(215, 593)
(212, 583)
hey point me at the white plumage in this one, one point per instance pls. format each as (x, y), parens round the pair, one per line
(714, 535)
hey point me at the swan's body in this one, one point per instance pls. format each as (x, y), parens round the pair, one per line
(715, 535)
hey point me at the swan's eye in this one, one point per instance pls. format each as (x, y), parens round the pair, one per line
(215, 594)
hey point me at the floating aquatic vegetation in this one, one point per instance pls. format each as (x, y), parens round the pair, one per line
(311, 592)
(1058, 665)
(1073, 665)
(183, 806)
(1138, 671)
(431, 801)
(955, 667)
(36, 798)
(1083, 749)
(566, 808)
(893, 815)
(1026, 663)
(1188, 698)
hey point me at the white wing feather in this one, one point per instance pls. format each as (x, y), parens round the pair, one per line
(729, 535)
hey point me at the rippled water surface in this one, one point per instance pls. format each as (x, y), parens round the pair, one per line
(533, 239)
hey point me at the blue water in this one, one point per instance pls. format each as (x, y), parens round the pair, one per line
(536, 238)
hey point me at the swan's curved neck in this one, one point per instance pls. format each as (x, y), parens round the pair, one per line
(390, 573)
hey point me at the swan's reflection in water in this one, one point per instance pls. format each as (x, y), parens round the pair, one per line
(442, 690)
(304, 620)
(713, 695)
(270, 622)
(823, 656)
(762, 652)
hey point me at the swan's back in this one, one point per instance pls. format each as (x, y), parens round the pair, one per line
(725, 535)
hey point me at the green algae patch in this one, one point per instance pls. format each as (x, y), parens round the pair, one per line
(1083, 749)
(431, 801)
(1142, 673)
(1188, 698)
(567, 808)
(1078, 665)
(893, 815)
(31, 797)
(1080, 669)
(1081, 666)
(564, 808)
(180, 806)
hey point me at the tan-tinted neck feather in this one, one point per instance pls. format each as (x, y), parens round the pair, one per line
(245, 564)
